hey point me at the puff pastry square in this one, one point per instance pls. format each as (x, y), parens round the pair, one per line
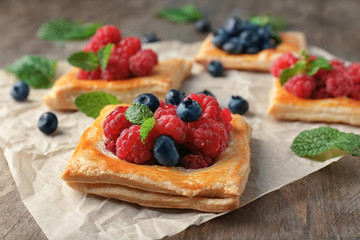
(166, 75)
(291, 42)
(93, 169)
(286, 106)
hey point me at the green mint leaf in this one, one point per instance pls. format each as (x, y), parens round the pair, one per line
(187, 13)
(275, 22)
(137, 113)
(146, 127)
(62, 30)
(104, 55)
(317, 141)
(313, 66)
(287, 73)
(36, 71)
(87, 61)
(92, 103)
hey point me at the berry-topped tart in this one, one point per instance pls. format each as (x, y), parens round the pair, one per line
(117, 65)
(244, 45)
(185, 153)
(314, 89)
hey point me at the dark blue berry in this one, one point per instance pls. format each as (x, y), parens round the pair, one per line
(174, 96)
(48, 123)
(233, 46)
(238, 105)
(233, 25)
(220, 36)
(20, 91)
(189, 110)
(215, 68)
(203, 25)
(207, 92)
(252, 49)
(149, 100)
(165, 151)
(149, 38)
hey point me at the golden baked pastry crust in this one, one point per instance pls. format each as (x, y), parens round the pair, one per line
(93, 169)
(166, 75)
(291, 42)
(286, 106)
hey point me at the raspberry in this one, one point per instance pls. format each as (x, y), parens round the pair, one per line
(89, 75)
(209, 105)
(165, 109)
(111, 146)
(207, 136)
(172, 126)
(115, 122)
(130, 148)
(117, 68)
(226, 117)
(128, 47)
(195, 161)
(285, 61)
(153, 54)
(321, 93)
(337, 84)
(107, 34)
(93, 45)
(353, 74)
(337, 64)
(301, 85)
(142, 64)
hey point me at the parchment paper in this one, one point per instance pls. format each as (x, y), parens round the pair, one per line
(36, 160)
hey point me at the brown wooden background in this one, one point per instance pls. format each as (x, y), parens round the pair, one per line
(323, 205)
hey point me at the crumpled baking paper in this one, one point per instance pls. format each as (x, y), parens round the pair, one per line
(36, 161)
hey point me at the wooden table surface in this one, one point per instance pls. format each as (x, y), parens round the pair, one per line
(323, 205)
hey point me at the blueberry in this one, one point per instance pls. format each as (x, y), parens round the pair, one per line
(234, 46)
(203, 25)
(268, 44)
(149, 100)
(174, 96)
(215, 68)
(220, 36)
(20, 91)
(207, 92)
(149, 38)
(189, 110)
(252, 49)
(165, 151)
(233, 25)
(238, 105)
(48, 123)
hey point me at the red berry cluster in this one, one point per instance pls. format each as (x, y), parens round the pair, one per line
(126, 60)
(206, 137)
(341, 81)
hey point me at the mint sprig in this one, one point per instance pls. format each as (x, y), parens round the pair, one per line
(146, 127)
(62, 30)
(313, 142)
(89, 61)
(36, 71)
(137, 113)
(275, 22)
(305, 65)
(187, 13)
(92, 103)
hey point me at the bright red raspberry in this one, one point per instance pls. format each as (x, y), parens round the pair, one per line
(142, 64)
(117, 68)
(130, 148)
(89, 75)
(128, 47)
(206, 136)
(301, 85)
(285, 61)
(337, 64)
(107, 34)
(321, 93)
(209, 105)
(111, 146)
(115, 122)
(153, 54)
(195, 161)
(171, 125)
(338, 84)
(93, 45)
(165, 109)
(226, 116)
(353, 74)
